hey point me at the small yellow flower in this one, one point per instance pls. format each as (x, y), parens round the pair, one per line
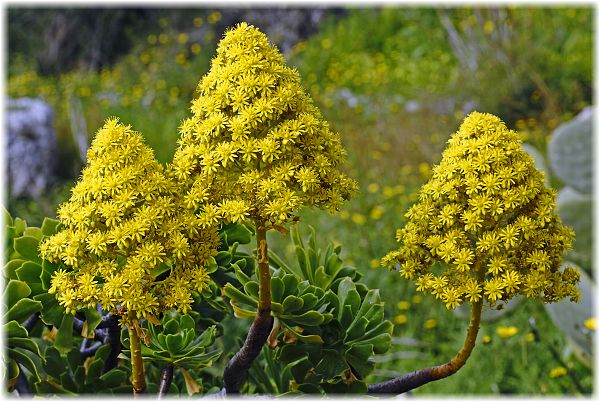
(430, 324)
(416, 299)
(195, 48)
(530, 337)
(403, 305)
(359, 219)
(486, 339)
(376, 212)
(590, 324)
(373, 188)
(558, 372)
(182, 38)
(507, 332)
(400, 319)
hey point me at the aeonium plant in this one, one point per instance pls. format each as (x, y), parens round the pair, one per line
(483, 231)
(256, 150)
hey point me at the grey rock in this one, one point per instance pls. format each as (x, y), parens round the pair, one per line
(31, 147)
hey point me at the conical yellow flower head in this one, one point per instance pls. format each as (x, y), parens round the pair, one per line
(256, 148)
(123, 226)
(484, 226)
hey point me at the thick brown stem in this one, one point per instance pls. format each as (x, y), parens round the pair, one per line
(264, 280)
(138, 381)
(418, 378)
(259, 331)
(166, 378)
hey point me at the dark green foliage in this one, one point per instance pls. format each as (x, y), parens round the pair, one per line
(327, 327)
(69, 376)
(176, 341)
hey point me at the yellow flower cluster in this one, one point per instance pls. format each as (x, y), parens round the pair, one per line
(256, 148)
(123, 226)
(484, 225)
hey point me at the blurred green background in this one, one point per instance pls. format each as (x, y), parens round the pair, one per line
(394, 81)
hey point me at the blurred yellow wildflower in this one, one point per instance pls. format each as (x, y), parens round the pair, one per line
(376, 213)
(373, 188)
(558, 372)
(358, 218)
(507, 332)
(400, 319)
(590, 324)
(430, 324)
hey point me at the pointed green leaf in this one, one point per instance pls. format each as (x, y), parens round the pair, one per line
(171, 326)
(310, 318)
(277, 289)
(292, 303)
(54, 364)
(24, 343)
(159, 269)
(23, 360)
(48, 270)
(93, 319)
(20, 225)
(235, 294)
(22, 309)
(52, 312)
(238, 233)
(14, 329)
(30, 272)
(94, 371)
(27, 247)
(173, 344)
(50, 226)
(11, 267)
(186, 322)
(15, 291)
(64, 335)
(359, 358)
(33, 232)
(251, 289)
(114, 377)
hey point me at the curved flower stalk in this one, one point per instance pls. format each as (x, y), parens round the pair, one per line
(256, 150)
(127, 241)
(484, 230)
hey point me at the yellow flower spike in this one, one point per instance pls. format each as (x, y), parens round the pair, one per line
(126, 217)
(258, 139)
(487, 220)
